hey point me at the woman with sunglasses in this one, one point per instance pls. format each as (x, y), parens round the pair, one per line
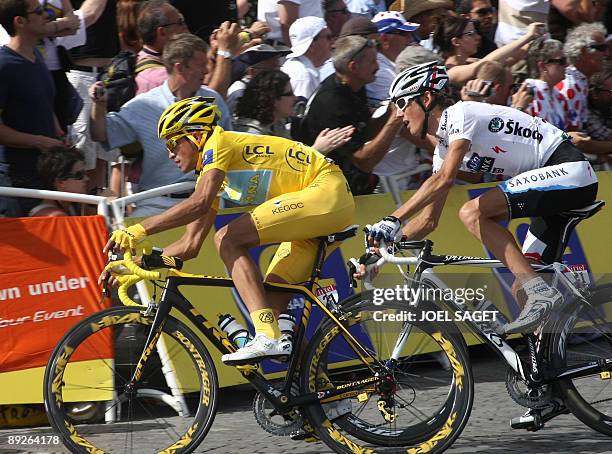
(548, 175)
(62, 169)
(547, 62)
(266, 105)
(457, 41)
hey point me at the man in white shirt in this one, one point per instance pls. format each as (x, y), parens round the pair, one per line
(395, 34)
(280, 15)
(310, 48)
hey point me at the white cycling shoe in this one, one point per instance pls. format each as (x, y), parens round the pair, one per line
(536, 311)
(259, 348)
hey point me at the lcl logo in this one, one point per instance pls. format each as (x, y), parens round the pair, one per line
(297, 159)
(250, 153)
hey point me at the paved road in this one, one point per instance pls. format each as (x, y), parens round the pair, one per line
(235, 430)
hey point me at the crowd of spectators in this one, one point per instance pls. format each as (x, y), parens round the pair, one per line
(317, 71)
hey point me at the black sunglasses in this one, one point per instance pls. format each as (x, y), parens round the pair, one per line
(74, 176)
(180, 22)
(39, 11)
(484, 11)
(558, 61)
(344, 10)
(599, 47)
(368, 43)
(607, 90)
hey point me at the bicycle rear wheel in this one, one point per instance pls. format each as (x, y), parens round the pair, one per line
(171, 407)
(583, 336)
(421, 401)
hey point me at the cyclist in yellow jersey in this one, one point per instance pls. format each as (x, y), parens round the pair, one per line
(299, 195)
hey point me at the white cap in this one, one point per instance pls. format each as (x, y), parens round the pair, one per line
(390, 21)
(302, 32)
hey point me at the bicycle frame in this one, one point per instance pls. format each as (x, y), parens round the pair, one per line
(423, 274)
(280, 399)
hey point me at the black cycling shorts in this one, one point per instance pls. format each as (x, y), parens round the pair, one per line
(566, 182)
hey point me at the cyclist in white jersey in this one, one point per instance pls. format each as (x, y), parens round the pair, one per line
(549, 175)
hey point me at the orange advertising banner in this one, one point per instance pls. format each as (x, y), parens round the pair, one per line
(48, 272)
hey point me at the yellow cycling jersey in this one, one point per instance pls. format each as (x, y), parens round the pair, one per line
(258, 168)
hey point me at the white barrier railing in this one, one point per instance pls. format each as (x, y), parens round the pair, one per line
(99, 201)
(105, 206)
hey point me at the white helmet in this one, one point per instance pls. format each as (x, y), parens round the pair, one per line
(418, 79)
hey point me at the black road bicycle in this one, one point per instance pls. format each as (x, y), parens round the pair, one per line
(391, 404)
(567, 365)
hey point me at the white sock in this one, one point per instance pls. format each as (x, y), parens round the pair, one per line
(538, 285)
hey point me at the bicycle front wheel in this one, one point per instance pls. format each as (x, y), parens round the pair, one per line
(418, 398)
(92, 404)
(584, 336)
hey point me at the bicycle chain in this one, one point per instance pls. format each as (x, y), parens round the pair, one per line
(264, 413)
(519, 392)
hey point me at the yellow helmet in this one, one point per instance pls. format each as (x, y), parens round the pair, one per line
(196, 114)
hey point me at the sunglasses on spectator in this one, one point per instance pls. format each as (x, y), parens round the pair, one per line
(599, 47)
(470, 33)
(344, 10)
(558, 61)
(402, 103)
(75, 175)
(607, 90)
(39, 11)
(180, 22)
(368, 43)
(484, 11)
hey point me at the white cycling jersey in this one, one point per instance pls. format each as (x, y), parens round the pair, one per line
(504, 140)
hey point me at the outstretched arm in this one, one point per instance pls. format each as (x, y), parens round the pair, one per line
(188, 246)
(460, 74)
(196, 206)
(436, 188)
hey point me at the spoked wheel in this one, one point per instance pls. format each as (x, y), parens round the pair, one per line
(421, 400)
(582, 337)
(88, 382)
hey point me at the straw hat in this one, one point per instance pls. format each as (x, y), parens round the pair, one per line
(414, 7)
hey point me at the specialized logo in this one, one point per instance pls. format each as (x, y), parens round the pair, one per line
(542, 175)
(497, 171)
(266, 317)
(297, 159)
(496, 124)
(280, 208)
(256, 154)
(498, 149)
(479, 163)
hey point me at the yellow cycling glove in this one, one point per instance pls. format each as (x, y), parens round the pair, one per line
(129, 237)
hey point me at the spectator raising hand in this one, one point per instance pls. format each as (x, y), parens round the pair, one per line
(523, 97)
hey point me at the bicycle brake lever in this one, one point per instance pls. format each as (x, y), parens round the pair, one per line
(353, 266)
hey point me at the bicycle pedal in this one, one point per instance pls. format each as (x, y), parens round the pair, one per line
(531, 422)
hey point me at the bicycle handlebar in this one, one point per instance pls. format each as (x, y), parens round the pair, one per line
(390, 258)
(155, 259)
(138, 271)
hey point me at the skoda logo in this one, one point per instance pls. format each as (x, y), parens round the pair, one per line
(496, 124)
